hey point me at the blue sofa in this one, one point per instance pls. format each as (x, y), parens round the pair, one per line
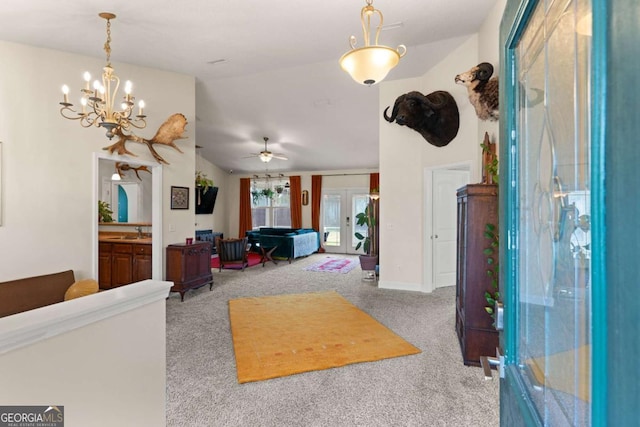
(291, 242)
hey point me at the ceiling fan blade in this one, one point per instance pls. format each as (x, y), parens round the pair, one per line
(280, 156)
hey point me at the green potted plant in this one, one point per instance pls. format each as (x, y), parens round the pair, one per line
(369, 260)
(203, 182)
(255, 195)
(268, 193)
(104, 212)
(493, 268)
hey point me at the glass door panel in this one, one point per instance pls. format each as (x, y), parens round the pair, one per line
(553, 250)
(339, 210)
(359, 202)
(331, 222)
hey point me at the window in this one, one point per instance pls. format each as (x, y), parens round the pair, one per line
(270, 204)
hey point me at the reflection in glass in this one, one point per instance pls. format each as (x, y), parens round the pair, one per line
(554, 251)
(130, 197)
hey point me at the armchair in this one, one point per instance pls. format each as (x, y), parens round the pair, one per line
(232, 251)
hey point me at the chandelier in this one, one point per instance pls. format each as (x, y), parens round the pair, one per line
(370, 64)
(98, 102)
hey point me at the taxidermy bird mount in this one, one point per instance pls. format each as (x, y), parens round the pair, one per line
(434, 116)
(483, 90)
(169, 131)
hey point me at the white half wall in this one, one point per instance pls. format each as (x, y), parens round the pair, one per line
(102, 357)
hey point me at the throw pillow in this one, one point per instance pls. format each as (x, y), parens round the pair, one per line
(81, 288)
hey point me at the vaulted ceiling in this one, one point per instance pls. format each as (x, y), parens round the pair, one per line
(262, 68)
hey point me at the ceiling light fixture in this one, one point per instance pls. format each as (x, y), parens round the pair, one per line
(266, 156)
(370, 64)
(98, 103)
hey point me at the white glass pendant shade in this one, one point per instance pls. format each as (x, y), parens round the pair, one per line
(370, 64)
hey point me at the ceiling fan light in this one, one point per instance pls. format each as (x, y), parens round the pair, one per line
(265, 157)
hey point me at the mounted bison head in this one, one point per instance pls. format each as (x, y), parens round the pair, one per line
(434, 116)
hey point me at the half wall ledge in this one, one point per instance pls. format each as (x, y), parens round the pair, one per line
(22, 329)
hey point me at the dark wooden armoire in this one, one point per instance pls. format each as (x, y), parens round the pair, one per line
(477, 207)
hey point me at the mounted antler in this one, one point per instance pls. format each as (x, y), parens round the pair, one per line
(123, 167)
(169, 131)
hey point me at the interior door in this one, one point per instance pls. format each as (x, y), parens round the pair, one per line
(547, 259)
(339, 208)
(443, 238)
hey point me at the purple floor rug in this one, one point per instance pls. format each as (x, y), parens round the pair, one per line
(334, 265)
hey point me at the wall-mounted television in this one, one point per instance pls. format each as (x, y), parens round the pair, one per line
(206, 200)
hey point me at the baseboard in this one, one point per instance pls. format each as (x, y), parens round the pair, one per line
(400, 286)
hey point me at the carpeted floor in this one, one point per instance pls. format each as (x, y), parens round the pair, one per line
(432, 388)
(281, 335)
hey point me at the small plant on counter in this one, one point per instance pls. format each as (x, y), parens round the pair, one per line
(104, 212)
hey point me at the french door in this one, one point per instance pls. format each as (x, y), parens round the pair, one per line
(547, 223)
(338, 223)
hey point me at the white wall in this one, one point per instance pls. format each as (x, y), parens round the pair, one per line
(47, 170)
(405, 156)
(488, 51)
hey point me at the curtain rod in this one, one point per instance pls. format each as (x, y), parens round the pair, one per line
(331, 174)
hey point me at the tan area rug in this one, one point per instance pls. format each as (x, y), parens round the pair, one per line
(275, 336)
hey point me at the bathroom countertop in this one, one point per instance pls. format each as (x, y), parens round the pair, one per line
(125, 238)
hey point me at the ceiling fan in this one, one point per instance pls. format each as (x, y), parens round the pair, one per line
(266, 155)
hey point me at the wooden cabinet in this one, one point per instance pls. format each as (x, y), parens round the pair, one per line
(104, 265)
(477, 206)
(142, 262)
(123, 263)
(189, 266)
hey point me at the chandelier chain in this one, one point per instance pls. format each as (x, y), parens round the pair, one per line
(107, 44)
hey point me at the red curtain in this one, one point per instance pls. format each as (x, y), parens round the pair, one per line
(245, 220)
(374, 182)
(295, 201)
(374, 187)
(316, 197)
